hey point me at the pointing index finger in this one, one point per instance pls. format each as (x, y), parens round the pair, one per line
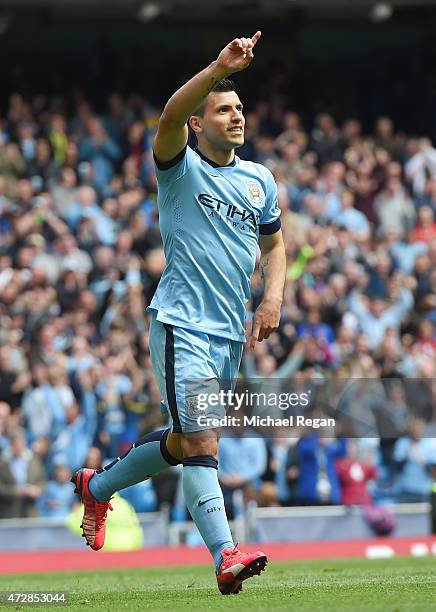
(254, 334)
(256, 37)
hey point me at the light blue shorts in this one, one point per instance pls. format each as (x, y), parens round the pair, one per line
(186, 363)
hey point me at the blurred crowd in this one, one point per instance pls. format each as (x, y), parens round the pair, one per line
(81, 256)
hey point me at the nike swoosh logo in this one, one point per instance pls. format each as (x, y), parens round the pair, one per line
(201, 503)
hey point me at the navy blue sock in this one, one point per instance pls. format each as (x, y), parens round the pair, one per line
(148, 456)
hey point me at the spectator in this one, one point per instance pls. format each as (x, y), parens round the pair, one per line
(43, 412)
(425, 229)
(71, 446)
(406, 250)
(423, 162)
(94, 459)
(58, 497)
(379, 276)
(22, 480)
(315, 328)
(41, 450)
(427, 338)
(391, 418)
(101, 151)
(325, 139)
(58, 137)
(42, 169)
(318, 480)
(12, 384)
(354, 476)
(429, 196)
(376, 317)
(414, 455)
(354, 220)
(64, 192)
(285, 468)
(394, 209)
(86, 207)
(11, 166)
(242, 461)
(329, 191)
(364, 185)
(72, 257)
(5, 411)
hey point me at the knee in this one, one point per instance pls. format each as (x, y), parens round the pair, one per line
(174, 445)
(202, 443)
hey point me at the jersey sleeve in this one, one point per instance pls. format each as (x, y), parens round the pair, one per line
(175, 168)
(270, 220)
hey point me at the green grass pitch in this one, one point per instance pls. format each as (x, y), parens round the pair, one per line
(388, 585)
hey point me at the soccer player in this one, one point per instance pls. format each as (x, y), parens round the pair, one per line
(214, 210)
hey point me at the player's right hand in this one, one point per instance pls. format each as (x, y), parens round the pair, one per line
(238, 54)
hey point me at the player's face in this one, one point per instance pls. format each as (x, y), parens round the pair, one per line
(223, 122)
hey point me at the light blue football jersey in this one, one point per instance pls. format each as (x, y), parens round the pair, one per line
(210, 219)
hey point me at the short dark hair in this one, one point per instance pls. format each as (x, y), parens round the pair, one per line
(224, 85)
(220, 86)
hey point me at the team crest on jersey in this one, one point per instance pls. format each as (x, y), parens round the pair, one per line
(255, 192)
(193, 406)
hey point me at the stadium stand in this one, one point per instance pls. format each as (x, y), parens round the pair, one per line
(80, 257)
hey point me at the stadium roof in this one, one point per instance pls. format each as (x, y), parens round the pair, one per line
(223, 12)
(174, 4)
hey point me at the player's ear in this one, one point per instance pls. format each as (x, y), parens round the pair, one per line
(196, 123)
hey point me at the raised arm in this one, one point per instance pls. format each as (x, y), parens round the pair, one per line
(172, 132)
(273, 272)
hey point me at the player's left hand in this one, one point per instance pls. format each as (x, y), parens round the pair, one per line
(266, 320)
(238, 54)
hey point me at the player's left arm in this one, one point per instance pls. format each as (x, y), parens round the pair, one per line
(273, 271)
